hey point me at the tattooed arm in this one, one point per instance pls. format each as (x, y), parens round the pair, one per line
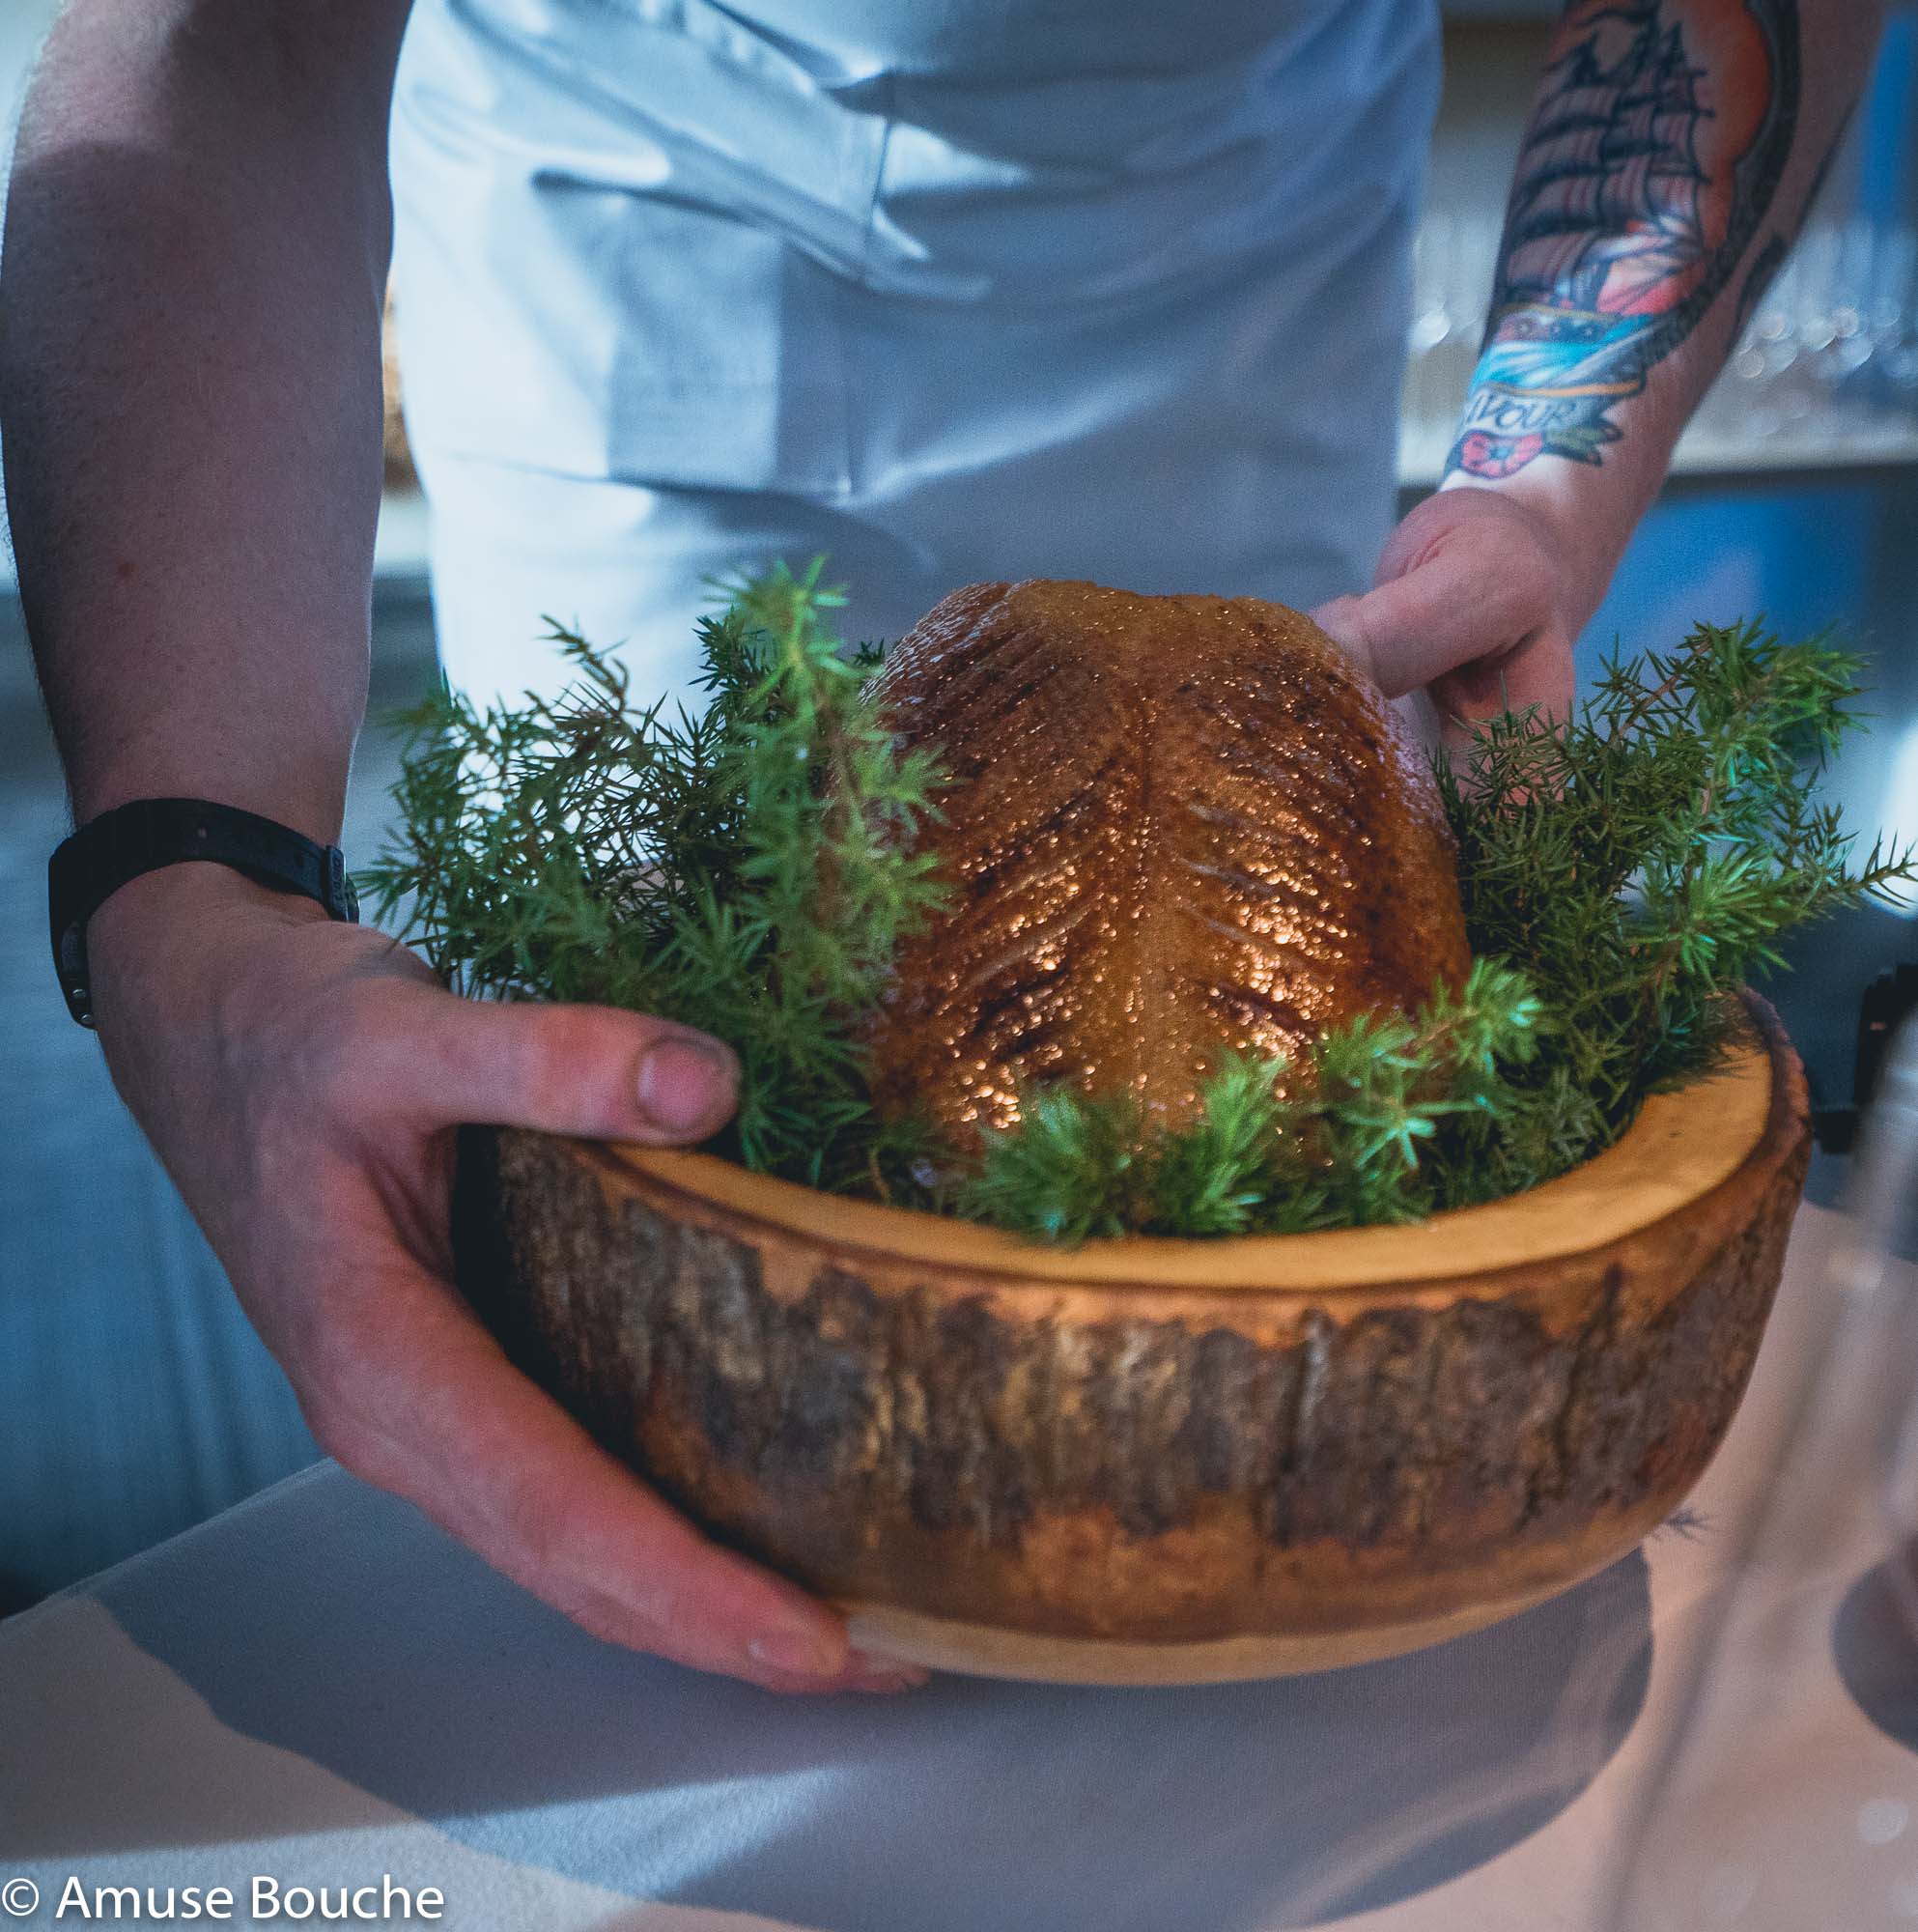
(1672, 149)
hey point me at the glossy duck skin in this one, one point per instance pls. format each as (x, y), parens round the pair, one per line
(1174, 824)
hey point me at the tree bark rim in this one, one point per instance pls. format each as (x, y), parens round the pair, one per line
(1685, 1146)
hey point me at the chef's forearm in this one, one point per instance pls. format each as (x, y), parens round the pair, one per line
(196, 242)
(1673, 150)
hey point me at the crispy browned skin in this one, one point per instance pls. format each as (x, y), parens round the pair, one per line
(1174, 825)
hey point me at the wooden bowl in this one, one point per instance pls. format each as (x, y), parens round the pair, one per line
(1151, 1461)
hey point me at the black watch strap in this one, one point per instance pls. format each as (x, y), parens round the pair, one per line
(121, 845)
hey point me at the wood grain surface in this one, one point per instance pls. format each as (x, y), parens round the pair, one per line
(1305, 1447)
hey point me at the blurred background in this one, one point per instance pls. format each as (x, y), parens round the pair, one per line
(134, 1401)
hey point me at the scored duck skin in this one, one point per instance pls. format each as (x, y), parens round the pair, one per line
(1171, 826)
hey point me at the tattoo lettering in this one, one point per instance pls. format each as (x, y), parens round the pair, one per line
(1656, 147)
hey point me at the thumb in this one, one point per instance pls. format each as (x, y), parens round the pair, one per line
(1344, 621)
(569, 1069)
(1435, 619)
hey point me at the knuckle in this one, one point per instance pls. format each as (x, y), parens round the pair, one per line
(334, 1426)
(335, 1429)
(565, 1549)
(565, 1050)
(541, 1529)
(355, 1439)
(329, 1345)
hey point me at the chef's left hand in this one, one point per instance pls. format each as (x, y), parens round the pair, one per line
(1478, 599)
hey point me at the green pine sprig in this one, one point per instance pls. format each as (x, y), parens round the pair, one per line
(747, 871)
(1643, 863)
(750, 869)
(1371, 1131)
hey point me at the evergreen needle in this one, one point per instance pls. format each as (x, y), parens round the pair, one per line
(751, 870)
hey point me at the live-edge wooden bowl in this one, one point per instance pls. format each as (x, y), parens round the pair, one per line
(1151, 1461)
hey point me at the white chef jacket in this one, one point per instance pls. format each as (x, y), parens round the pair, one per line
(948, 289)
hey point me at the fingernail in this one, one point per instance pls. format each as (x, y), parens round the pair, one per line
(685, 1083)
(892, 1680)
(804, 1652)
(878, 1667)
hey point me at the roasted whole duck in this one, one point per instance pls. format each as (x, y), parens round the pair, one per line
(1174, 824)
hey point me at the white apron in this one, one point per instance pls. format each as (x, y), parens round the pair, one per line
(951, 289)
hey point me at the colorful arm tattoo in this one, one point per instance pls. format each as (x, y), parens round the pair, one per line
(1656, 148)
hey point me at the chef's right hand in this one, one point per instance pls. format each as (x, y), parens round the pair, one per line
(1478, 599)
(301, 1081)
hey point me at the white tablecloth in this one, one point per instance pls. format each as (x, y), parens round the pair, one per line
(320, 1689)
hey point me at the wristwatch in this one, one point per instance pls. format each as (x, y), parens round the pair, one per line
(121, 845)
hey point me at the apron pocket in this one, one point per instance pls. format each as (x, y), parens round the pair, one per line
(727, 362)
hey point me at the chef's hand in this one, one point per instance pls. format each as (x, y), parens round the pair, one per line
(301, 1081)
(1477, 600)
